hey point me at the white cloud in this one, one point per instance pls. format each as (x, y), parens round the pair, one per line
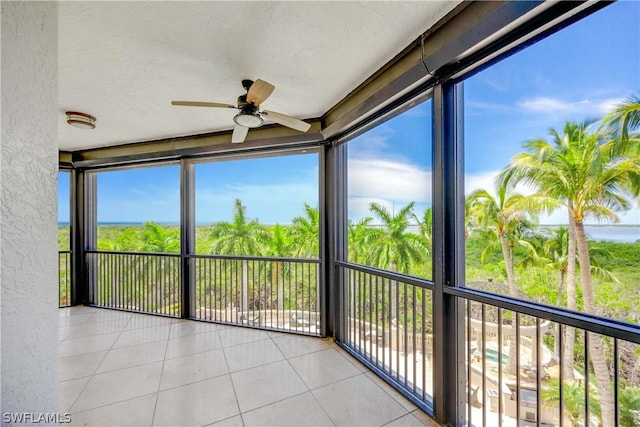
(359, 206)
(550, 105)
(606, 105)
(484, 180)
(474, 106)
(388, 179)
(585, 108)
(371, 145)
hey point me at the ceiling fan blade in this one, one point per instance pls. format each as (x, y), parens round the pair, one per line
(259, 91)
(202, 104)
(288, 121)
(239, 134)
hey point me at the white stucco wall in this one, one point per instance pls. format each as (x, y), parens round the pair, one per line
(28, 207)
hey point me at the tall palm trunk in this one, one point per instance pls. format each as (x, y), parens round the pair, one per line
(572, 302)
(596, 346)
(507, 254)
(562, 274)
(394, 295)
(245, 287)
(275, 279)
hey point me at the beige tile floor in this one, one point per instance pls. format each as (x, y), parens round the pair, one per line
(126, 369)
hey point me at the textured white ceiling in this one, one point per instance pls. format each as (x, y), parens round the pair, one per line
(123, 62)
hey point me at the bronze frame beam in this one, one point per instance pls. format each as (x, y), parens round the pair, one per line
(193, 146)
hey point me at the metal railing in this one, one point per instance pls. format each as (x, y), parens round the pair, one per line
(140, 282)
(516, 368)
(388, 325)
(268, 293)
(64, 278)
(518, 371)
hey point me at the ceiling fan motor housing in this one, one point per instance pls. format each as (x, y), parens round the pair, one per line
(246, 107)
(248, 115)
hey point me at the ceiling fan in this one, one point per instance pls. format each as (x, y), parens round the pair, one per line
(249, 116)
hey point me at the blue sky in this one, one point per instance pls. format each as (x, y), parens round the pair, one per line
(575, 74)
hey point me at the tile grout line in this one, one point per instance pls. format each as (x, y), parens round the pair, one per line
(384, 387)
(233, 386)
(128, 367)
(285, 358)
(113, 403)
(166, 348)
(396, 419)
(94, 372)
(309, 390)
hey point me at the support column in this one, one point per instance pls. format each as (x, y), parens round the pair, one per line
(28, 208)
(448, 255)
(333, 236)
(83, 234)
(187, 237)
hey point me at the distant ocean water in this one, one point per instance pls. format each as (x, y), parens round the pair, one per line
(613, 233)
(601, 233)
(607, 233)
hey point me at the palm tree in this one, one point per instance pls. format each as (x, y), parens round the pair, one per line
(504, 219)
(279, 245)
(359, 236)
(556, 249)
(624, 118)
(306, 233)
(629, 399)
(239, 237)
(156, 238)
(393, 247)
(561, 251)
(573, 400)
(425, 226)
(591, 174)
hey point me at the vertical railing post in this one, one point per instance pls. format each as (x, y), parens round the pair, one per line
(76, 226)
(333, 237)
(326, 227)
(448, 254)
(187, 238)
(244, 292)
(83, 234)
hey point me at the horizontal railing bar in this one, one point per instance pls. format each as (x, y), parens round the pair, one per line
(163, 254)
(196, 256)
(64, 252)
(146, 312)
(421, 283)
(255, 258)
(254, 326)
(613, 328)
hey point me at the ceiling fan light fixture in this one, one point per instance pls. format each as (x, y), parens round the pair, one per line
(80, 120)
(248, 120)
